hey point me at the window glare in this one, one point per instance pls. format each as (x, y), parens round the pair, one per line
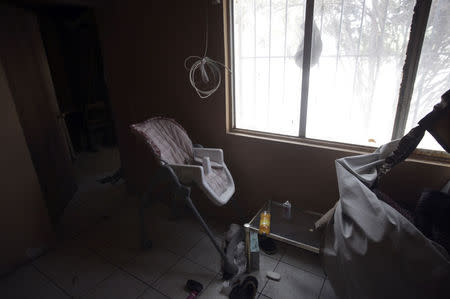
(358, 54)
(355, 85)
(433, 74)
(267, 80)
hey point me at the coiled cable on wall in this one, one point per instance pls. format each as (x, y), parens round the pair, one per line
(205, 66)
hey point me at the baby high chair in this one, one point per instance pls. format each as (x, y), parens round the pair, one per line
(182, 164)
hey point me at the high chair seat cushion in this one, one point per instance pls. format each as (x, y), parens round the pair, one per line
(171, 145)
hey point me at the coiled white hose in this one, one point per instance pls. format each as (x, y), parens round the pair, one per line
(205, 65)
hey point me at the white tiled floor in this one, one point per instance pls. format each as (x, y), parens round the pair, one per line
(106, 262)
(210, 261)
(172, 283)
(119, 285)
(265, 264)
(152, 264)
(303, 259)
(27, 282)
(93, 200)
(295, 283)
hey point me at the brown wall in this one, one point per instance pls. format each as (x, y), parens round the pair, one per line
(144, 46)
(24, 222)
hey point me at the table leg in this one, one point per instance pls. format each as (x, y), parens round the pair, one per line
(252, 249)
(247, 246)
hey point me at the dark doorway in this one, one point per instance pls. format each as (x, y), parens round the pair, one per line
(73, 51)
(70, 38)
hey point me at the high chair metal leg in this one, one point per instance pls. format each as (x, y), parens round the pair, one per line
(228, 266)
(181, 191)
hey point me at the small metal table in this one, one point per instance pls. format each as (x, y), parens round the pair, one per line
(297, 230)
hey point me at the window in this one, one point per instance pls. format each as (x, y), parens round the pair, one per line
(332, 69)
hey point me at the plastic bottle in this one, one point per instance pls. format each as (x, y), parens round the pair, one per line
(264, 223)
(287, 210)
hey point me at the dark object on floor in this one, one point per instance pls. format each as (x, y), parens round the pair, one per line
(194, 287)
(432, 217)
(246, 290)
(267, 245)
(113, 179)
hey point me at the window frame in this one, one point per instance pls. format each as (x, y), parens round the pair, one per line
(415, 41)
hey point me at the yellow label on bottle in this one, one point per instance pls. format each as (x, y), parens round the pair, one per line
(264, 223)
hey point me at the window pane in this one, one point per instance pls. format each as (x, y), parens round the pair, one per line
(355, 83)
(433, 74)
(267, 81)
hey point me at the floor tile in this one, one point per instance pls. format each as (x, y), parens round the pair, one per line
(75, 270)
(151, 264)
(303, 259)
(213, 290)
(177, 240)
(218, 229)
(93, 200)
(294, 283)
(265, 264)
(97, 236)
(205, 254)
(118, 285)
(117, 255)
(151, 293)
(27, 282)
(160, 217)
(280, 252)
(173, 282)
(91, 203)
(126, 229)
(327, 291)
(188, 223)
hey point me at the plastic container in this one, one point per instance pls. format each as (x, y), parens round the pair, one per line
(287, 209)
(264, 223)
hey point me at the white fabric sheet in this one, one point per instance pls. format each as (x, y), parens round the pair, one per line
(372, 251)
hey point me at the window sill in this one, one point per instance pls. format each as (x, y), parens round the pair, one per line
(421, 156)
